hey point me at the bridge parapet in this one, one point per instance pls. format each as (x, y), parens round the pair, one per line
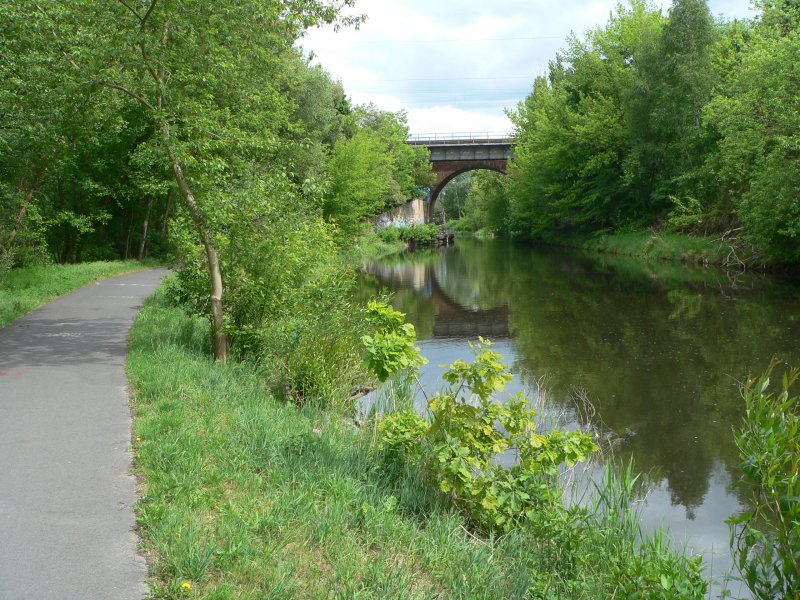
(459, 139)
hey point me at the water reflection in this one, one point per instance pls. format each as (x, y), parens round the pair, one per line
(658, 350)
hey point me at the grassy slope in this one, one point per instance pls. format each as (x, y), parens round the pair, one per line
(246, 497)
(372, 247)
(23, 290)
(663, 245)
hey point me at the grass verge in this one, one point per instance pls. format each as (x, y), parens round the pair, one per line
(22, 290)
(246, 497)
(372, 247)
(667, 245)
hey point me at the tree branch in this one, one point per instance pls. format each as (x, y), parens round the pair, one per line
(147, 15)
(131, 9)
(130, 93)
(55, 36)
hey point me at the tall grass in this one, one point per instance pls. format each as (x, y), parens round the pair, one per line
(247, 497)
(662, 245)
(24, 289)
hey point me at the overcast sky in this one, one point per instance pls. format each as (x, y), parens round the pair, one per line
(454, 65)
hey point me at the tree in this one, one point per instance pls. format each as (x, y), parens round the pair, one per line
(453, 198)
(756, 114)
(374, 170)
(43, 105)
(209, 76)
(574, 163)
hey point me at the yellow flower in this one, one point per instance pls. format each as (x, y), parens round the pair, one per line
(186, 585)
(138, 439)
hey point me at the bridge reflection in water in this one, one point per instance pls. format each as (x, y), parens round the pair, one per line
(455, 316)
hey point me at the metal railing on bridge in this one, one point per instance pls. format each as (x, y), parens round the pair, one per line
(460, 138)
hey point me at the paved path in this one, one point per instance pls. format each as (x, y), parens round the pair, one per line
(66, 494)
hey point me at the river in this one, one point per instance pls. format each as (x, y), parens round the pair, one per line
(657, 350)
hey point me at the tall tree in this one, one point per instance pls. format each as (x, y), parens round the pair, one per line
(209, 76)
(756, 114)
(673, 83)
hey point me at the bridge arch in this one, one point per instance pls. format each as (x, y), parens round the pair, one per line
(453, 154)
(446, 172)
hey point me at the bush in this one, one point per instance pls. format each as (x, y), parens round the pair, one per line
(468, 428)
(287, 291)
(419, 234)
(766, 540)
(389, 234)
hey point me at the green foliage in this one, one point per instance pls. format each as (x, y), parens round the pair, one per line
(254, 498)
(469, 429)
(419, 234)
(390, 347)
(766, 540)
(361, 181)
(287, 290)
(389, 234)
(575, 164)
(373, 170)
(453, 199)
(687, 214)
(756, 115)
(416, 234)
(649, 121)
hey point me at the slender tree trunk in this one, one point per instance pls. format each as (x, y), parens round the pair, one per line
(144, 228)
(21, 213)
(219, 339)
(165, 222)
(128, 237)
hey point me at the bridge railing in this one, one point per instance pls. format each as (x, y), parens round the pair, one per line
(467, 137)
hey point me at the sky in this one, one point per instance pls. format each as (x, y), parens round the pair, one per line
(454, 65)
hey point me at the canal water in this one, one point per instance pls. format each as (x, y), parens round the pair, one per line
(651, 355)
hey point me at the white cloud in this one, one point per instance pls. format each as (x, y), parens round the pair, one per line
(456, 120)
(456, 65)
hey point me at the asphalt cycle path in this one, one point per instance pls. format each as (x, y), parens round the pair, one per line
(66, 490)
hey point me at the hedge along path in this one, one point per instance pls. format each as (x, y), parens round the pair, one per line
(66, 491)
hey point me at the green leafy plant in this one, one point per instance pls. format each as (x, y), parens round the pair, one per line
(419, 234)
(390, 349)
(468, 429)
(766, 540)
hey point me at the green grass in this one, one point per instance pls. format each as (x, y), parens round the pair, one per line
(22, 290)
(372, 247)
(246, 497)
(663, 245)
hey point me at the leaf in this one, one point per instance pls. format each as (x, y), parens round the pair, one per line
(666, 582)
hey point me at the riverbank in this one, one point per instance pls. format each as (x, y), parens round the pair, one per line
(372, 247)
(25, 289)
(395, 239)
(245, 496)
(654, 245)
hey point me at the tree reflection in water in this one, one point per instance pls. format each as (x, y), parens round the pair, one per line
(659, 349)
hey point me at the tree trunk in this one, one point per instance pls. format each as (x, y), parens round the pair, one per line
(144, 228)
(128, 237)
(20, 218)
(165, 222)
(219, 339)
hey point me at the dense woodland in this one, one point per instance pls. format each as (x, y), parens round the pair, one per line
(678, 121)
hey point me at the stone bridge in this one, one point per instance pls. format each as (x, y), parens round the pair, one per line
(456, 153)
